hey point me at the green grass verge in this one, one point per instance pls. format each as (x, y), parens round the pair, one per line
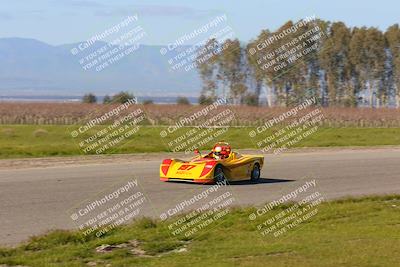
(55, 140)
(352, 232)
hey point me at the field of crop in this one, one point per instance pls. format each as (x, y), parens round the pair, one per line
(75, 113)
(358, 232)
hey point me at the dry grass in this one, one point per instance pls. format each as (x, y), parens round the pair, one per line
(74, 113)
(8, 132)
(40, 133)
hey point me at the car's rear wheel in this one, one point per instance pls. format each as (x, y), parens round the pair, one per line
(219, 176)
(255, 173)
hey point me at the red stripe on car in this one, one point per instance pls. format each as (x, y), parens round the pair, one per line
(165, 166)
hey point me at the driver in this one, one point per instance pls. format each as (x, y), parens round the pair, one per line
(221, 152)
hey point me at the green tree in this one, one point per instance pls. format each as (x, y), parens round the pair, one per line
(334, 60)
(255, 72)
(205, 100)
(182, 100)
(106, 99)
(122, 97)
(89, 98)
(343, 65)
(284, 80)
(207, 57)
(367, 54)
(258, 59)
(392, 36)
(231, 70)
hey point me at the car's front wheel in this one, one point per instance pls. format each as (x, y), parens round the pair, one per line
(255, 173)
(219, 176)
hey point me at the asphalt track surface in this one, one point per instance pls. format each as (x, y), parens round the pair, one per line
(35, 200)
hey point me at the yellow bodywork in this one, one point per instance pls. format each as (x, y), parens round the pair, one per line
(201, 169)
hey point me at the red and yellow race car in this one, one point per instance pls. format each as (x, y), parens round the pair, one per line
(217, 166)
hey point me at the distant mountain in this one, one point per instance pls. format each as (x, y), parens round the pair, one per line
(31, 67)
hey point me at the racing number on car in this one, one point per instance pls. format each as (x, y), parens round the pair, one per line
(186, 167)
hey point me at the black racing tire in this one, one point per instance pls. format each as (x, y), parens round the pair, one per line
(219, 176)
(255, 173)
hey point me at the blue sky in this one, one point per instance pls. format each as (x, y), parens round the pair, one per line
(67, 21)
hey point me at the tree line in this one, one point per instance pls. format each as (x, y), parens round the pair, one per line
(123, 97)
(347, 67)
(119, 98)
